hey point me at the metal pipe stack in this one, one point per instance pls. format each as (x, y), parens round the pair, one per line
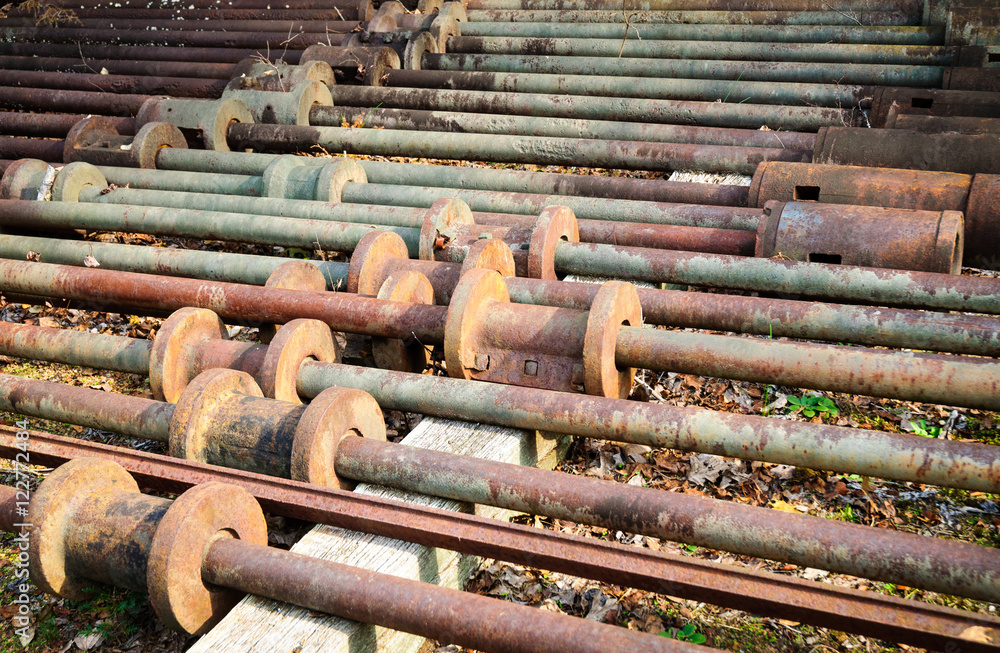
(457, 170)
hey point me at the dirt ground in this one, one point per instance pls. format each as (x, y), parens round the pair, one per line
(115, 620)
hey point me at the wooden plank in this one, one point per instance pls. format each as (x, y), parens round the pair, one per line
(262, 625)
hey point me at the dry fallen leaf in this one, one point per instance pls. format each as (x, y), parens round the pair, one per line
(91, 262)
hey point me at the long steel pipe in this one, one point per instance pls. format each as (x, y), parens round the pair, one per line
(268, 41)
(512, 181)
(824, 53)
(705, 90)
(685, 237)
(751, 71)
(950, 332)
(868, 34)
(708, 114)
(692, 17)
(53, 125)
(902, 6)
(815, 446)
(133, 84)
(823, 604)
(481, 123)
(85, 51)
(947, 567)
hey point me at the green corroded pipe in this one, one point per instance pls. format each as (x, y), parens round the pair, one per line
(825, 53)
(820, 280)
(209, 225)
(750, 71)
(895, 456)
(707, 114)
(699, 90)
(629, 155)
(585, 208)
(215, 266)
(817, 33)
(513, 181)
(693, 17)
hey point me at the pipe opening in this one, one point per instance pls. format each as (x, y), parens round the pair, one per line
(806, 193)
(824, 258)
(921, 102)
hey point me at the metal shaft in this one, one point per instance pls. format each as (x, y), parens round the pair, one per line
(516, 181)
(866, 613)
(230, 55)
(816, 446)
(960, 334)
(750, 71)
(916, 55)
(477, 622)
(823, 95)
(933, 378)
(807, 541)
(693, 17)
(724, 31)
(708, 114)
(511, 149)
(133, 416)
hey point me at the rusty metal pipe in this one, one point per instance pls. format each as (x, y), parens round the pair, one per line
(961, 334)
(237, 302)
(903, 6)
(75, 348)
(461, 618)
(566, 128)
(751, 71)
(516, 181)
(932, 378)
(916, 55)
(120, 67)
(866, 613)
(141, 84)
(902, 558)
(824, 95)
(213, 24)
(84, 51)
(53, 125)
(725, 30)
(632, 109)
(277, 41)
(42, 99)
(133, 416)
(693, 17)
(30, 148)
(903, 149)
(820, 280)
(513, 149)
(816, 446)
(334, 12)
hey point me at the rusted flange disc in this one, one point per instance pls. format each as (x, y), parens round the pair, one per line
(443, 28)
(192, 424)
(439, 221)
(23, 179)
(382, 22)
(85, 133)
(150, 139)
(403, 355)
(332, 177)
(297, 341)
(490, 254)
(51, 513)
(306, 95)
(429, 6)
(615, 304)
(366, 271)
(473, 295)
(416, 47)
(333, 415)
(73, 178)
(456, 10)
(555, 224)
(292, 275)
(173, 357)
(179, 596)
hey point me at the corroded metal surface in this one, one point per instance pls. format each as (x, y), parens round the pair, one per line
(816, 446)
(865, 613)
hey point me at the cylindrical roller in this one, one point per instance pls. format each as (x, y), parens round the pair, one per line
(898, 148)
(902, 239)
